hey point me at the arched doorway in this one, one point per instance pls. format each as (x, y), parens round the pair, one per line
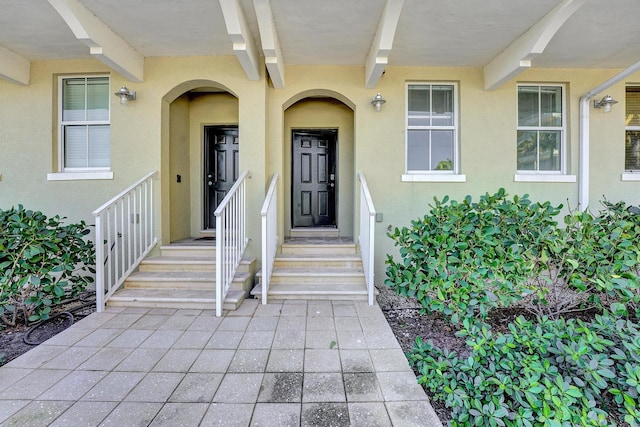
(199, 124)
(319, 178)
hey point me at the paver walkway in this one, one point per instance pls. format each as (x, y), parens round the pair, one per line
(312, 363)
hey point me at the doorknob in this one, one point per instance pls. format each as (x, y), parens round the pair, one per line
(332, 185)
(210, 183)
(209, 176)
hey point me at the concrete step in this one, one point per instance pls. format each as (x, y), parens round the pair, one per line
(314, 232)
(318, 276)
(189, 250)
(189, 263)
(204, 280)
(174, 298)
(317, 260)
(307, 247)
(177, 263)
(333, 291)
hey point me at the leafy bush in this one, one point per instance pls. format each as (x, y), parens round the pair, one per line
(466, 258)
(41, 261)
(541, 373)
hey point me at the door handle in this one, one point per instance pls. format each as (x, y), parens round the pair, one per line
(210, 183)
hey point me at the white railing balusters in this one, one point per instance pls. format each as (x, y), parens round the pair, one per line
(231, 238)
(120, 233)
(367, 234)
(269, 215)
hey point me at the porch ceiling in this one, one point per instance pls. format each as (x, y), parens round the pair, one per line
(455, 33)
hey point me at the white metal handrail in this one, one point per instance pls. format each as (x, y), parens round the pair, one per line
(367, 234)
(125, 234)
(270, 239)
(231, 237)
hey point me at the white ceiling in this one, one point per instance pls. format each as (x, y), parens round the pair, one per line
(469, 33)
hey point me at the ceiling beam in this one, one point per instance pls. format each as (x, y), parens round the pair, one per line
(241, 37)
(270, 44)
(13, 67)
(382, 42)
(103, 43)
(518, 55)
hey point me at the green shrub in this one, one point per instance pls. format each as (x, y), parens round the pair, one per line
(607, 256)
(541, 373)
(465, 258)
(41, 262)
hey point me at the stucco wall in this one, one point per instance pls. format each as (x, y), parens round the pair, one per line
(141, 138)
(180, 165)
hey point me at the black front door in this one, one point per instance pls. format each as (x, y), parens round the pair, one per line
(221, 157)
(314, 178)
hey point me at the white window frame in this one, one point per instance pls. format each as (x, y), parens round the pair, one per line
(546, 175)
(630, 175)
(87, 173)
(453, 175)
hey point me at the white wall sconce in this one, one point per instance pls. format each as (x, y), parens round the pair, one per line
(126, 95)
(605, 103)
(377, 101)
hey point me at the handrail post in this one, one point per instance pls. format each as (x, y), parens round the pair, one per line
(367, 235)
(269, 215)
(99, 266)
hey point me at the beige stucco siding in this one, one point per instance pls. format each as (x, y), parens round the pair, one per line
(162, 130)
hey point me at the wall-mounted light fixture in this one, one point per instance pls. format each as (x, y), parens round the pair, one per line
(605, 103)
(377, 101)
(126, 95)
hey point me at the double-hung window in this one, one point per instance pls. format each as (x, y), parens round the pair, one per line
(632, 134)
(432, 131)
(541, 129)
(84, 127)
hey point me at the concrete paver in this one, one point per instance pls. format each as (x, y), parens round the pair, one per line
(287, 363)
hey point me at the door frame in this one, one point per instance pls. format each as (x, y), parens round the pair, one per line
(204, 179)
(334, 132)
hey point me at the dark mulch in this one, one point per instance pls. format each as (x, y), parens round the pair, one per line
(12, 338)
(407, 323)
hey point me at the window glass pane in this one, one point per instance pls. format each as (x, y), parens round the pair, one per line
(528, 109)
(99, 146)
(549, 147)
(633, 106)
(551, 106)
(75, 147)
(419, 105)
(418, 150)
(73, 99)
(442, 105)
(632, 151)
(98, 98)
(527, 150)
(442, 150)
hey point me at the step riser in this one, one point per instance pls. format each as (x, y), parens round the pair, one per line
(190, 251)
(172, 304)
(287, 263)
(317, 280)
(323, 297)
(315, 233)
(170, 284)
(155, 268)
(318, 250)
